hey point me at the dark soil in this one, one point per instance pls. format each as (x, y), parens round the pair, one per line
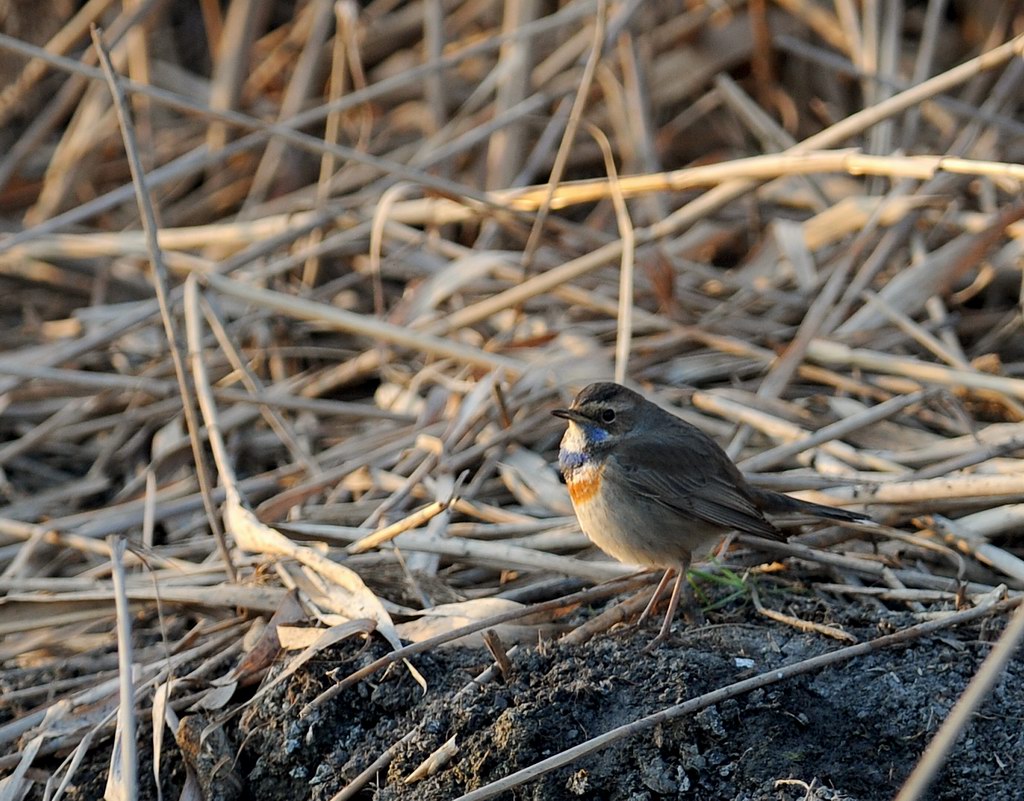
(850, 732)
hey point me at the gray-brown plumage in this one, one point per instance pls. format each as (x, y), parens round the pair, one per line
(651, 489)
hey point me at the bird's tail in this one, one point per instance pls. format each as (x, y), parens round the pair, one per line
(777, 503)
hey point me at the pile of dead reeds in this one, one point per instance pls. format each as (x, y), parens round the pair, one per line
(314, 344)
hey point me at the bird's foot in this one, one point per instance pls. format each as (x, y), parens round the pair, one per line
(653, 644)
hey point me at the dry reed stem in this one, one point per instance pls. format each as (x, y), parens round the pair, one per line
(160, 282)
(123, 778)
(795, 622)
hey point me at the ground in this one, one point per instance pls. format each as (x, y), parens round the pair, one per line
(851, 732)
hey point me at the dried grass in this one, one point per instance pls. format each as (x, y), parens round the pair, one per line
(387, 241)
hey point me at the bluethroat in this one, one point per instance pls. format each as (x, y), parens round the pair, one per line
(651, 489)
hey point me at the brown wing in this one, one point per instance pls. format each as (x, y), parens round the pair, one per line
(686, 471)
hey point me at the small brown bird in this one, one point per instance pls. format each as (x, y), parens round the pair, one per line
(651, 489)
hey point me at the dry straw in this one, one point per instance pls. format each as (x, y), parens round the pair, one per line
(285, 316)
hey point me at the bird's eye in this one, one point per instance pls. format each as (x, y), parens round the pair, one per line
(608, 416)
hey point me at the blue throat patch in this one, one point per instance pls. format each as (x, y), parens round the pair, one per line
(571, 460)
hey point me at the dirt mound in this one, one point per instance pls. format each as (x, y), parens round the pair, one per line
(851, 732)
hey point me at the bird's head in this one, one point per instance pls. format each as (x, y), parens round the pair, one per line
(603, 412)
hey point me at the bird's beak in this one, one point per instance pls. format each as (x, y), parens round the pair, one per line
(568, 414)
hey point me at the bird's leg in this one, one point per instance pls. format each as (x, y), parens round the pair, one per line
(654, 598)
(673, 603)
(692, 613)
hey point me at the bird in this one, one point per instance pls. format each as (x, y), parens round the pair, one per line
(651, 489)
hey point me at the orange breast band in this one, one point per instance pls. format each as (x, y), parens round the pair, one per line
(584, 484)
